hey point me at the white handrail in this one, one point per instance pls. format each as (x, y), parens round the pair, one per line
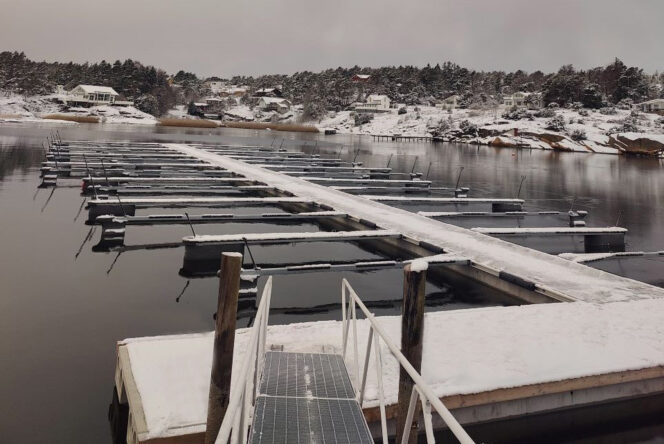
(242, 401)
(421, 389)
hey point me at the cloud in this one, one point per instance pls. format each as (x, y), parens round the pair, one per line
(238, 37)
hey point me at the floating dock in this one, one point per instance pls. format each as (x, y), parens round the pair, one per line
(532, 275)
(537, 358)
(508, 373)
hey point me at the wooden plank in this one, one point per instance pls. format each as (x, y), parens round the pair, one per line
(372, 414)
(412, 335)
(224, 341)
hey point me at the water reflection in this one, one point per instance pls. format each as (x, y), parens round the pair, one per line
(18, 154)
(62, 313)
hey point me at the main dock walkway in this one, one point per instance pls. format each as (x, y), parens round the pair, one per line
(553, 277)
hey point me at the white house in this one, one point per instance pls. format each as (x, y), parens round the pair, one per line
(93, 94)
(216, 86)
(234, 91)
(375, 103)
(450, 102)
(90, 95)
(274, 104)
(523, 100)
(652, 106)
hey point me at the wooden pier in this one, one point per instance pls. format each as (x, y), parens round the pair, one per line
(164, 381)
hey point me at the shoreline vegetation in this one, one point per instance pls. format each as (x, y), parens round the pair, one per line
(204, 123)
(188, 123)
(72, 118)
(294, 127)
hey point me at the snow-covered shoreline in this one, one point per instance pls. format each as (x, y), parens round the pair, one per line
(606, 131)
(584, 130)
(20, 109)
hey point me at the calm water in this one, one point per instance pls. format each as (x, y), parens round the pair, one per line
(60, 317)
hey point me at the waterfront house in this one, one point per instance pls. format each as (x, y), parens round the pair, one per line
(91, 95)
(375, 103)
(652, 106)
(523, 100)
(451, 102)
(274, 104)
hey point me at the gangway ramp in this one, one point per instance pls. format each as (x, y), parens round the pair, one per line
(307, 397)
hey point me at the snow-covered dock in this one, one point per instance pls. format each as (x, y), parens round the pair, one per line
(121, 207)
(537, 358)
(602, 345)
(556, 240)
(494, 262)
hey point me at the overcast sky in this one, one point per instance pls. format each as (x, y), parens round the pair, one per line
(227, 37)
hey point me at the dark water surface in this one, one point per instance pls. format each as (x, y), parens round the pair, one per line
(60, 317)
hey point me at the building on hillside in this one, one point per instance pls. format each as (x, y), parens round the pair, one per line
(360, 78)
(451, 102)
(216, 86)
(234, 91)
(652, 106)
(523, 100)
(198, 108)
(274, 104)
(375, 103)
(91, 95)
(268, 92)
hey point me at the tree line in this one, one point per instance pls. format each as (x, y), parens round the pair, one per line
(148, 86)
(333, 89)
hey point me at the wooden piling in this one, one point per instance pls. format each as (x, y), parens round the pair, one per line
(224, 339)
(412, 332)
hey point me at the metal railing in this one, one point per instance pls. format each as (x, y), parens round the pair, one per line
(237, 420)
(349, 301)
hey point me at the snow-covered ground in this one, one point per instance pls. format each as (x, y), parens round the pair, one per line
(581, 130)
(494, 129)
(19, 108)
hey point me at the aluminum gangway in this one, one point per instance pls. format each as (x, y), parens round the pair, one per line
(311, 397)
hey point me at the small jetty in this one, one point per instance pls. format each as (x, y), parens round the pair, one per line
(404, 138)
(579, 337)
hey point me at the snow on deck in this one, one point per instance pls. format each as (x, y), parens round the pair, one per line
(201, 200)
(514, 346)
(379, 198)
(552, 274)
(266, 237)
(552, 230)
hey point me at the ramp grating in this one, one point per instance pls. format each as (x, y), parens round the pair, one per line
(307, 398)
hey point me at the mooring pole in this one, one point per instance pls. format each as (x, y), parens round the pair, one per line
(458, 178)
(518, 193)
(412, 332)
(412, 170)
(224, 339)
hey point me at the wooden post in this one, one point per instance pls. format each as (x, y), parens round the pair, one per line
(412, 332)
(224, 339)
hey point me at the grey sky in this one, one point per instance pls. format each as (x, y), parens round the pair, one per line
(226, 37)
